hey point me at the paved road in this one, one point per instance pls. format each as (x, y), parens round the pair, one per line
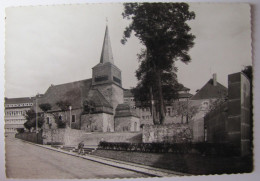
(24, 160)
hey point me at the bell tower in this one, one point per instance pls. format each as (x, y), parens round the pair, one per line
(106, 76)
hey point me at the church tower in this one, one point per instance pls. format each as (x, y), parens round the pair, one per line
(106, 76)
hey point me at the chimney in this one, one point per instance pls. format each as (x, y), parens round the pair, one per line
(214, 79)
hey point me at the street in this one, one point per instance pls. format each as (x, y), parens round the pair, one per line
(24, 160)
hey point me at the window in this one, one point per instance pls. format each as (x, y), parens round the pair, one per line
(73, 118)
(101, 78)
(117, 80)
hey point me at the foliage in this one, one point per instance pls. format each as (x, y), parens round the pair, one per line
(30, 116)
(214, 103)
(248, 71)
(45, 107)
(177, 148)
(184, 109)
(58, 120)
(20, 130)
(63, 105)
(162, 29)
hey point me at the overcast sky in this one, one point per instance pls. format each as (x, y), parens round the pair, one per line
(58, 44)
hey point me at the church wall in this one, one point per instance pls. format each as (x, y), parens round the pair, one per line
(100, 122)
(127, 124)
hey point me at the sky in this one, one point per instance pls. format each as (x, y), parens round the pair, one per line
(61, 43)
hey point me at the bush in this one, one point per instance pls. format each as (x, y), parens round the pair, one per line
(20, 130)
(223, 149)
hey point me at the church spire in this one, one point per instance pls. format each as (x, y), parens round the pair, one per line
(106, 54)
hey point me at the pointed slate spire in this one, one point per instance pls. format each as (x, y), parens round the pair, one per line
(106, 54)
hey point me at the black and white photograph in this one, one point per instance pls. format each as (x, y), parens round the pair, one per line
(128, 90)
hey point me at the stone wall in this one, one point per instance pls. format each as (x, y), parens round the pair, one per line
(73, 137)
(31, 137)
(172, 133)
(65, 136)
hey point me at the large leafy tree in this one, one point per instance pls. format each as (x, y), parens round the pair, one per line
(30, 116)
(163, 30)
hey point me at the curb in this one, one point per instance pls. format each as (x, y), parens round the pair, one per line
(151, 171)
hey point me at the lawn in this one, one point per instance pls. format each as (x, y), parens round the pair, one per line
(189, 163)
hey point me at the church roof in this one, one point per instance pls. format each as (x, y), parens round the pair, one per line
(98, 98)
(73, 92)
(106, 54)
(124, 110)
(209, 91)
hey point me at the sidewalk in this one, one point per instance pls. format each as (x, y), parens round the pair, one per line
(152, 171)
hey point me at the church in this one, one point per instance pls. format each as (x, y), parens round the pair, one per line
(95, 104)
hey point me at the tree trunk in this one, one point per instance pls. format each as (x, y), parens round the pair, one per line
(152, 107)
(160, 98)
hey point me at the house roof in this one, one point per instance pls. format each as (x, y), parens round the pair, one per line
(73, 92)
(209, 91)
(184, 95)
(19, 100)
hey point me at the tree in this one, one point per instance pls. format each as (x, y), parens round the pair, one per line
(185, 110)
(45, 107)
(30, 116)
(64, 106)
(162, 29)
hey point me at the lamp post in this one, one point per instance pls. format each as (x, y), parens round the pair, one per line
(70, 107)
(36, 126)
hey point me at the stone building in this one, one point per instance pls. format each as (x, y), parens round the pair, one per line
(15, 109)
(96, 104)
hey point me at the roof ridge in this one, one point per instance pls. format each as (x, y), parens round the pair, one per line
(70, 82)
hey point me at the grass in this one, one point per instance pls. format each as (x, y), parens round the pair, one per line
(190, 163)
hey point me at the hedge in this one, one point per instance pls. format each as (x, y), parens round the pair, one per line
(178, 148)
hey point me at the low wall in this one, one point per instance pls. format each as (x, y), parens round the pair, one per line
(31, 137)
(73, 137)
(171, 133)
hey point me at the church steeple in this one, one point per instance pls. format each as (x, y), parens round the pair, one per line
(106, 54)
